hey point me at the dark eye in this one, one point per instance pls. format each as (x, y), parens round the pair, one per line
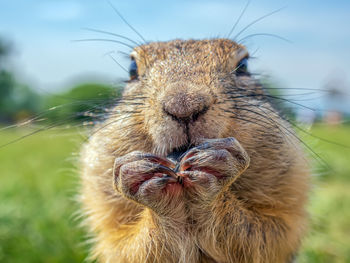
(133, 69)
(242, 67)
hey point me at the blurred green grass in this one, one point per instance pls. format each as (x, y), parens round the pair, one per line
(329, 207)
(39, 183)
(38, 186)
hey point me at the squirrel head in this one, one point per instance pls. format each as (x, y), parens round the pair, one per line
(187, 87)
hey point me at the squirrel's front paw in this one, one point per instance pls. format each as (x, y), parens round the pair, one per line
(148, 180)
(212, 165)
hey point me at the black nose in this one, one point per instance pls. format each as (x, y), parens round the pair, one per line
(186, 107)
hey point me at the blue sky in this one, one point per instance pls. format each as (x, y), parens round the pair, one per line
(42, 32)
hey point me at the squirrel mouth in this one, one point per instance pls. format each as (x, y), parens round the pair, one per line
(177, 153)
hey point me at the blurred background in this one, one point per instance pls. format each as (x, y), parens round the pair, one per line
(59, 73)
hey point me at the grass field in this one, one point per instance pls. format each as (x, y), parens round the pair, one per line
(39, 182)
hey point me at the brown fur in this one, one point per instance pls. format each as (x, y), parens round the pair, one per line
(256, 217)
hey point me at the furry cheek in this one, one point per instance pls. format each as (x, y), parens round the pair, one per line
(209, 126)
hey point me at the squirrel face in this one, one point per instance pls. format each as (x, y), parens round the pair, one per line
(186, 85)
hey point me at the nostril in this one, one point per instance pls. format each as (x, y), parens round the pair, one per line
(192, 117)
(189, 116)
(175, 117)
(181, 105)
(186, 104)
(197, 114)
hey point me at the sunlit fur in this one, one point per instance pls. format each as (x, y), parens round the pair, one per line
(260, 217)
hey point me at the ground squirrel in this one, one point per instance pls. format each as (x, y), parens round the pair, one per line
(194, 164)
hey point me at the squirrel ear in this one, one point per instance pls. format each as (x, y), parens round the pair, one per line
(242, 52)
(237, 55)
